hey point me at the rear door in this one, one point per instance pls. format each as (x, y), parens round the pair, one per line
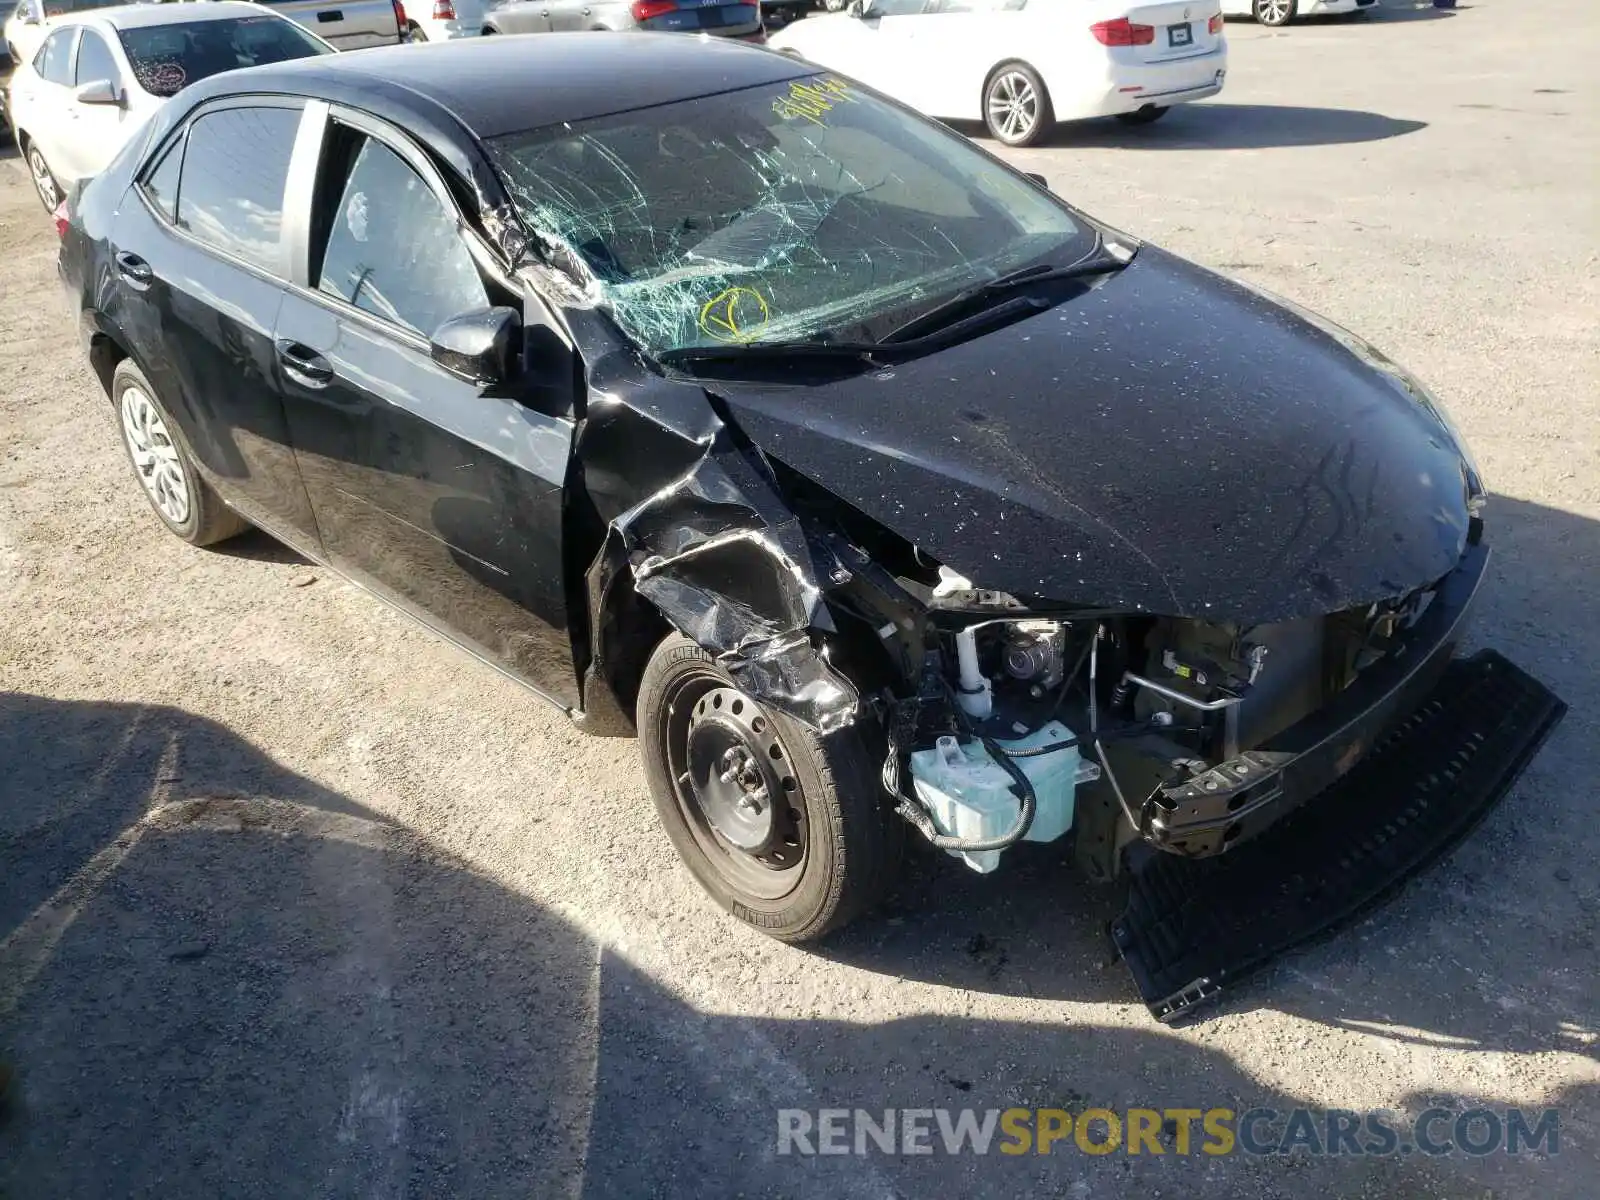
(200, 263)
(441, 495)
(521, 16)
(43, 106)
(348, 24)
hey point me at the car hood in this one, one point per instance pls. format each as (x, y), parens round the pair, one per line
(1166, 441)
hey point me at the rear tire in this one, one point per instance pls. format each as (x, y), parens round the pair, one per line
(1147, 115)
(1016, 107)
(820, 846)
(164, 466)
(44, 179)
(414, 33)
(1275, 12)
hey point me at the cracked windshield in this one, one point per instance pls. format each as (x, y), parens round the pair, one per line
(806, 210)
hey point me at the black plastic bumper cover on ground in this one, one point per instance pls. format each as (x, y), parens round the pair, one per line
(1193, 927)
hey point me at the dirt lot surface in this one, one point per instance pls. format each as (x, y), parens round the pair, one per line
(296, 900)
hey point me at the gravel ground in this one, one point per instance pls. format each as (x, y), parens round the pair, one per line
(296, 900)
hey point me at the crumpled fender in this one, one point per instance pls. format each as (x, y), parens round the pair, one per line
(694, 519)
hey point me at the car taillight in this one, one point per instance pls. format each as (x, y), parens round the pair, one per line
(1122, 32)
(1214, 26)
(400, 17)
(643, 10)
(444, 10)
(61, 220)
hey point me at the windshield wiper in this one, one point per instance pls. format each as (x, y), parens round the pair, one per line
(961, 304)
(867, 352)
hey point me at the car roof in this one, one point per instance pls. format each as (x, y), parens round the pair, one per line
(499, 85)
(140, 16)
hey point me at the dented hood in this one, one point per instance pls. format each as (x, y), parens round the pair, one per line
(1166, 441)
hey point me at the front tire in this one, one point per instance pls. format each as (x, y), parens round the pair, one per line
(1275, 12)
(163, 465)
(784, 827)
(1147, 115)
(1016, 107)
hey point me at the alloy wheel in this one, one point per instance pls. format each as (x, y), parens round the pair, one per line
(1274, 12)
(1013, 106)
(155, 457)
(43, 180)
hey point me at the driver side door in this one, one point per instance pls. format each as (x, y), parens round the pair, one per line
(443, 496)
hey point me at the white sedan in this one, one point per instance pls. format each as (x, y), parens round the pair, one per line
(1022, 65)
(97, 77)
(1281, 12)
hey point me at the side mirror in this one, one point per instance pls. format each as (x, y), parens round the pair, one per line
(479, 346)
(98, 91)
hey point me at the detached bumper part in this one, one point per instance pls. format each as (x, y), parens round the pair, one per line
(1193, 927)
(1239, 799)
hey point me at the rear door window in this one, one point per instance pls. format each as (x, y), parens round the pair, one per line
(393, 247)
(230, 195)
(54, 60)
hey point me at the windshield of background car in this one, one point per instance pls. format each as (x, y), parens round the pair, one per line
(782, 212)
(167, 58)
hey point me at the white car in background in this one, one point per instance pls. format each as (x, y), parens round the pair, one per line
(28, 22)
(443, 20)
(1020, 66)
(1281, 12)
(97, 77)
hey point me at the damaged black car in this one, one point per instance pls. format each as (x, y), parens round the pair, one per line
(879, 491)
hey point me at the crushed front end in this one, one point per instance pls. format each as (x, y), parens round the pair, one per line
(1250, 786)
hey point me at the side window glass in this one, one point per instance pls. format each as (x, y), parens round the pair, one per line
(94, 60)
(54, 62)
(231, 193)
(393, 248)
(896, 8)
(161, 184)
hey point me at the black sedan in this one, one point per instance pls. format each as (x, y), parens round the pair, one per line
(875, 488)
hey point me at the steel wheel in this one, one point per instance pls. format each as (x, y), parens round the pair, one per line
(1275, 12)
(43, 181)
(155, 458)
(736, 789)
(1013, 106)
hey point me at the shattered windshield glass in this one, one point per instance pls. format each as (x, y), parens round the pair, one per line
(783, 212)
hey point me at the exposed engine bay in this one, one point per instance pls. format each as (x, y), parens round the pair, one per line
(1100, 724)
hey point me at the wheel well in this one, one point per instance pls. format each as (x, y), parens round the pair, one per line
(104, 355)
(1001, 66)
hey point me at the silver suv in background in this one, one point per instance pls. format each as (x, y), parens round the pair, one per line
(348, 24)
(721, 18)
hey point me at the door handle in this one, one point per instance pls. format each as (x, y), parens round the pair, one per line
(304, 364)
(135, 270)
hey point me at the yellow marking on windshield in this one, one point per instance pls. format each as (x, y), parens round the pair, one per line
(813, 100)
(735, 314)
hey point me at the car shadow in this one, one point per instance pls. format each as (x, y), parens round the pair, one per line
(255, 987)
(1407, 10)
(1223, 126)
(1493, 948)
(256, 546)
